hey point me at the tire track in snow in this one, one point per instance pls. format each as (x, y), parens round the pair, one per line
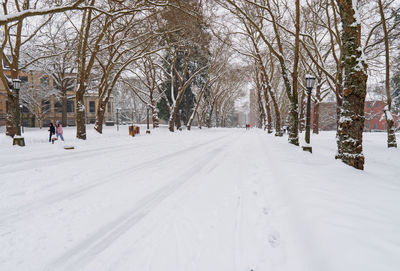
(19, 211)
(88, 249)
(20, 164)
(51, 160)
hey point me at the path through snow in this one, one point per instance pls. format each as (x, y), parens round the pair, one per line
(217, 200)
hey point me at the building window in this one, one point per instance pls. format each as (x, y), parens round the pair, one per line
(376, 105)
(57, 107)
(44, 81)
(92, 107)
(109, 107)
(24, 79)
(375, 126)
(45, 106)
(25, 109)
(71, 122)
(5, 65)
(70, 106)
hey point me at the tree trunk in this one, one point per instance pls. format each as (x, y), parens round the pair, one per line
(316, 109)
(11, 129)
(154, 117)
(391, 136)
(80, 117)
(351, 123)
(202, 118)
(178, 121)
(268, 109)
(101, 109)
(390, 130)
(209, 119)
(278, 129)
(316, 118)
(261, 115)
(293, 124)
(64, 109)
(171, 122)
(294, 103)
(302, 112)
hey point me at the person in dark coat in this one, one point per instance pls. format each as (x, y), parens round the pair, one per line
(52, 131)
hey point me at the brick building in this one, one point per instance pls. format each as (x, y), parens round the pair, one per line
(374, 116)
(51, 105)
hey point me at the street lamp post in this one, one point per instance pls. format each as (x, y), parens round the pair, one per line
(21, 118)
(16, 88)
(310, 80)
(17, 140)
(118, 119)
(148, 122)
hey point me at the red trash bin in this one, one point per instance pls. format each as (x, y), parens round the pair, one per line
(137, 130)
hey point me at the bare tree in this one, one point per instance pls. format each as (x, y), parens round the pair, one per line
(16, 35)
(391, 141)
(36, 98)
(146, 84)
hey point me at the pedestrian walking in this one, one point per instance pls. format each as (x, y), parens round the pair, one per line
(52, 131)
(59, 131)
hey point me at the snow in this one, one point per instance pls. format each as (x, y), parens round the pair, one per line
(209, 199)
(388, 115)
(357, 20)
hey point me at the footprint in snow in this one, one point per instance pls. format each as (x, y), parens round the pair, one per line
(266, 211)
(274, 239)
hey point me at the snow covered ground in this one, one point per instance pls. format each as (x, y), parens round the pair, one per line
(211, 199)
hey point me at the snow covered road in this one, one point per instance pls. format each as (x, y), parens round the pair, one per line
(225, 199)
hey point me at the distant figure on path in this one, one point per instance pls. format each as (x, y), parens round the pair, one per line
(284, 128)
(52, 131)
(59, 131)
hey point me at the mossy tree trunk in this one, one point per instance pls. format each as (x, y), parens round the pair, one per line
(351, 122)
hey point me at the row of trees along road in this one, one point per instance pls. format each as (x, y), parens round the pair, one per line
(161, 50)
(192, 59)
(332, 40)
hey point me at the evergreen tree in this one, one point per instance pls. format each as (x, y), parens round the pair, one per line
(185, 61)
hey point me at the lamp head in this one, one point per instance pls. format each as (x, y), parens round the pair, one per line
(310, 81)
(17, 84)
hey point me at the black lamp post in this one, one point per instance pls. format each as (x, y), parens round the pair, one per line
(21, 108)
(148, 121)
(17, 140)
(310, 80)
(16, 88)
(118, 118)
